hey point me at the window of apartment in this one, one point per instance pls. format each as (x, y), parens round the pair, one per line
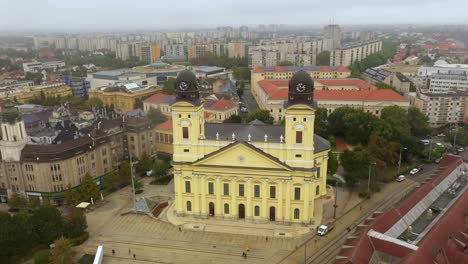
(185, 133)
(241, 190)
(132, 138)
(273, 192)
(297, 193)
(257, 210)
(299, 137)
(226, 188)
(189, 206)
(256, 191)
(187, 186)
(226, 208)
(296, 213)
(210, 188)
(104, 152)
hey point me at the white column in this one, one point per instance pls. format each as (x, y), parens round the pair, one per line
(248, 206)
(280, 200)
(203, 189)
(306, 209)
(178, 191)
(264, 195)
(196, 196)
(233, 192)
(289, 193)
(219, 190)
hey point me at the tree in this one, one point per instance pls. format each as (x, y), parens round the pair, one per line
(90, 103)
(75, 223)
(72, 196)
(321, 125)
(323, 58)
(426, 60)
(393, 124)
(138, 186)
(155, 116)
(16, 201)
(384, 152)
(36, 77)
(62, 253)
(169, 86)
(23, 229)
(144, 163)
(48, 224)
(356, 164)
(358, 126)
(124, 173)
(419, 123)
(34, 202)
(111, 180)
(241, 73)
(383, 85)
(285, 63)
(262, 115)
(336, 120)
(88, 188)
(233, 119)
(240, 92)
(160, 169)
(332, 163)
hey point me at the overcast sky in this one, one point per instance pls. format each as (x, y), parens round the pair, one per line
(170, 14)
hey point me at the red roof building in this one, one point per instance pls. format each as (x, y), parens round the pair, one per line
(441, 241)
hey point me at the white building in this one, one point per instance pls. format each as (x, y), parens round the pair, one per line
(37, 66)
(444, 82)
(351, 53)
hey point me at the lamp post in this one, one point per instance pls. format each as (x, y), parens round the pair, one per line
(399, 161)
(368, 179)
(336, 197)
(430, 147)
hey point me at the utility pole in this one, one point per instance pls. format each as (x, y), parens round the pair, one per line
(131, 175)
(368, 179)
(336, 198)
(430, 147)
(399, 161)
(455, 137)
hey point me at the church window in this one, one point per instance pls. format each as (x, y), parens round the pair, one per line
(226, 208)
(294, 119)
(299, 137)
(317, 190)
(273, 192)
(296, 213)
(189, 206)
(185, 133)
(210, 188)
(186, 150)
(257, 191)
(257, 210)
(187, 186)
(297, 193)
(226, 188)
(241, 190)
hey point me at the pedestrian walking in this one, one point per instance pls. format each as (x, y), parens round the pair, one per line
(113, 252)
(180, 229)
(129, 251)
(266, 238)
(134, 256)
(360, 208)
(243, 254)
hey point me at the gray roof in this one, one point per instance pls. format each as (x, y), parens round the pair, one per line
(378, 75)
(257, 131)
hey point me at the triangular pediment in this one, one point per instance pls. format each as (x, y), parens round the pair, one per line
(241, 154)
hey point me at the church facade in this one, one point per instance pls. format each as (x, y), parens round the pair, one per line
(254, 172)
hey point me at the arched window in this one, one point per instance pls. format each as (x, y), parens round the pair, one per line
(257, 210)
(317, 190)
(296, 213)
(189, 206)
(226, 208)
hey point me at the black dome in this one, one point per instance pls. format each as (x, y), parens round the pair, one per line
(187, 86)
(301, 88)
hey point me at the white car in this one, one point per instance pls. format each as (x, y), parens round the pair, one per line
(414, 171)
(400, 178)
(441, 135)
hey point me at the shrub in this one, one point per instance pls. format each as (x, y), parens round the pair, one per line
(331, 182)
(365, 194)
(79, 240)
(41, 256)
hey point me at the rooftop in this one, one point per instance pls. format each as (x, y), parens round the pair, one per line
(161, 98)
(340, 68)
(219, 105)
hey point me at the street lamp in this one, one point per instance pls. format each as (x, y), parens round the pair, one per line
(430, 147)
(368, 179)
(336, 197)
(399, 161)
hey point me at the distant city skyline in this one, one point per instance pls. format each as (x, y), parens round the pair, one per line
(120, 15)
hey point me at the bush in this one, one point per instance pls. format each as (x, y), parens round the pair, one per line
(365, 194)
(162, 180)
(331, 182)
(79, 240)
(41, 256)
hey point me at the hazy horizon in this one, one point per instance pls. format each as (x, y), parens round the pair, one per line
(120, 15)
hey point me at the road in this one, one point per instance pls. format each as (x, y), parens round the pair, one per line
(249, 101)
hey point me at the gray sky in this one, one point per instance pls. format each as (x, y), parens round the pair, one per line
(168, 14)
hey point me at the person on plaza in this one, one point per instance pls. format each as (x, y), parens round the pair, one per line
(113, 252)
(247, 248)
(134, 256)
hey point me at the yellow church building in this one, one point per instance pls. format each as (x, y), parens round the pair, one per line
(249, 172)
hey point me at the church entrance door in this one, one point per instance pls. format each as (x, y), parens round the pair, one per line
(272, 213)
(211, 209)
(241, 211)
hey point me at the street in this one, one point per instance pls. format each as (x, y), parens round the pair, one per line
(249, 101)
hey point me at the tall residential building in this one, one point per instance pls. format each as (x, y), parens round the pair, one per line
(445, 82)
(263, 58)
(149, 53)
(175, 50)
(347, 55)
(237, 49)
(333, 32)
(248, 171)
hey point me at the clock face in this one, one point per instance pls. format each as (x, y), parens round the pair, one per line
(300, 87)
(183, 86)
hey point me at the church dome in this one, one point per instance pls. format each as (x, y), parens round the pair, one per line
(187, 86)
(301, 88)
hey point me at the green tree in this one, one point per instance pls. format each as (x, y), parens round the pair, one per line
(72, 196)
(384, 152)
(241, 73)
(124, 173)
(233, 119)
(90, 103)
(332, 163)
(17, 202)
(358, 126)
(383, 85)
(426, 60)
(155, 116)
(48, 224)
(323, 58)
(34, 76)
(356, 164)
(75, 223)
(262, 115)
(145, 163)
(23, 229)
(111, 180)
(419, 123)
(62, 253)
(240, 92)
(321, 125)
(285, 63)
(393, 124)
(88, 188)
(160, 169)
(169, 86)
(336, 123)
(138, 186)
(34, 202)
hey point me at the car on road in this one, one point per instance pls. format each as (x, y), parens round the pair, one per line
(460, 149)
(244, 109)
(440, 145)
(324, 229)
(415, 170)
(441, 135)
(400, 178)
(425, 141)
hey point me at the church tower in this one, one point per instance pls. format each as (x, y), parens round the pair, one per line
(187, 117)
(13, 135)
(300, 116)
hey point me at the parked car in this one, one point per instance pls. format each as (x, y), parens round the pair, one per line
(414, 171)
(441, 135)
(324, 229)
(460, 149)
(425, 141)
(400, 178)
(438, 160)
